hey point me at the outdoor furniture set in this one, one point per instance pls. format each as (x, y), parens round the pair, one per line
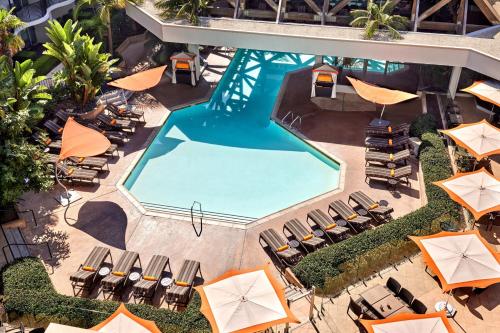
(113, 278)
(337, 225)
(387, 153)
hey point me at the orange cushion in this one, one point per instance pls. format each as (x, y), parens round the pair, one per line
(389, 129)
(308, 237)
(392, 173)
(324, 78)
(390, 142)
(80, 159)
(182, 65)
(118, 273)
(375, 205)
(182, 284)
(391, 157)
(48, 141)
(88, 268)
(352, 217)
(282, 248)
(330, 226)
(149, 278)
(70, 171)
(113, 121)
(59, 130)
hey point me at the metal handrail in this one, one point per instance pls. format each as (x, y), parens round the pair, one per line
(295, 119)
(283, 119)
(23, 244)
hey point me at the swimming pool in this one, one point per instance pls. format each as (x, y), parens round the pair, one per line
(228, 155)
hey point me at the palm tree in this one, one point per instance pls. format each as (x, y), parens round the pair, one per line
(10, 43)
(103, 18)
(377, 17)
(186, 9)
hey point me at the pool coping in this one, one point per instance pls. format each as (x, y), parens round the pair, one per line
(121, 181)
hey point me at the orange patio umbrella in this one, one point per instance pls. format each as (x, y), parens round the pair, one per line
(460, 259)
(123, 321)
(244, 301)
(481, 139)
(379, 95)
(478, 191)
(81, 141)
(488, 91)
(410, 323)
(140, 81)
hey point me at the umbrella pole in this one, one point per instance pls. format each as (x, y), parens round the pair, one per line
(66, 190)
(382, 113)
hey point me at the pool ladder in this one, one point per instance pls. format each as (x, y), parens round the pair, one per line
(294, 118)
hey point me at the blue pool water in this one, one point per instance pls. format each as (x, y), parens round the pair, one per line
(228, 155)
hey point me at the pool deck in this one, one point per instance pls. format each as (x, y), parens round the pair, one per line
(105, 217)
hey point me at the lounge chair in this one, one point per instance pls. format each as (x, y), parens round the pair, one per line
(127, 111)
(119, 274)
(401, 129)
(305, 237)
(381, 157)
(403, 172)
(150, 279)
(90, 162)
(121, 124)
(356, 222)
(334, 232)
(114, 136)
(117, 97)
(279, 247)
(374, 208)
(56, 145)
(396, 142)
(180, 292)
(87, 272)
(73, 173)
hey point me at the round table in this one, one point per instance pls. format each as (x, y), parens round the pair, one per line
(341, 223)
(392, 183)
(104, 271)
(166, 282)
(362, 212)
(450, 310)
(294, 243)
(318, 233)
(134, 276)
(391, 165)
(383, 203)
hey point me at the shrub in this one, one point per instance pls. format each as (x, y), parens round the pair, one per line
(327, 263)
(44, 64)
(29, 291)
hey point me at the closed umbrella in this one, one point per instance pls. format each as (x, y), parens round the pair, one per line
(410, 323)
(478, 191)
(123, 321)
(460, 259)
(244, 301)
(480, 139)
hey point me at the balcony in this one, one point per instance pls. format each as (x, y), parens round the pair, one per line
(38, 12)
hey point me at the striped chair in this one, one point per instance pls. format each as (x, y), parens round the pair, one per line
(120, 272)
(356, 222)
(381, 157)
(400, 129)
(374, 208)
(279, 247)
(400, 173)
(181, 290)
(86, 274)
(305, 237)
(387, 143)
(334, 232)
(150, 279)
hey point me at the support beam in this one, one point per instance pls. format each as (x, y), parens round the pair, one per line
(313, 6)
(338, 7)
(433, 9)
(324, 12)
(454, 78)
(195, 49)
(272, 4)
(464, 22)
(278, 12)
(237, 9)
(488, 10)
(415, 7)
(461, 17)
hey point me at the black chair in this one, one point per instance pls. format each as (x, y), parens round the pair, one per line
(418, 306)
(356, 308)
(406, 296)
(393, 285)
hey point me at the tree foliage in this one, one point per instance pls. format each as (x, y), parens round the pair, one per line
(86, 69)
(22, 166)
(181, 9)
(376, 17)
(10, 43)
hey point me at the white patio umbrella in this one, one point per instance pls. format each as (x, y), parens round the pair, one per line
(410, 323)
(478, 191)
(123, 321)
(488, 91)
(58, 328)
(244, 301)
(481, 139)
(460, 259)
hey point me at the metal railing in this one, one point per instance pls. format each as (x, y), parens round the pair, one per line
(22, 244)
(294, 118)
(190, 213)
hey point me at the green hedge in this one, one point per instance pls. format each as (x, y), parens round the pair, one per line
(327, 263)
(28, 291)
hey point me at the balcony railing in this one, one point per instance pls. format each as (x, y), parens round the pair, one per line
(37, 12)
